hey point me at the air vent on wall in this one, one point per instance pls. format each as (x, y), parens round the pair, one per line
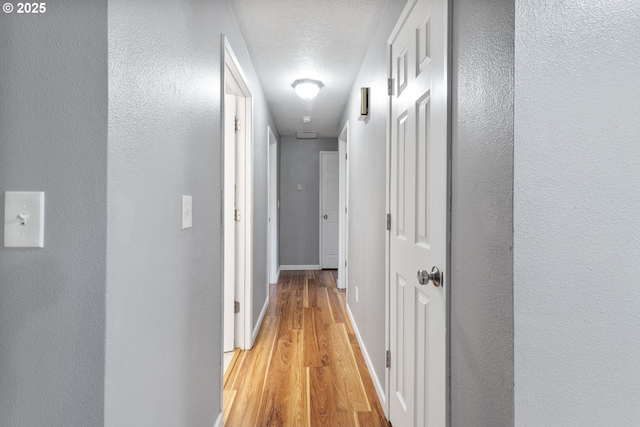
(307, 134)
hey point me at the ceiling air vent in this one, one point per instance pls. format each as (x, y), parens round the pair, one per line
(307, 134)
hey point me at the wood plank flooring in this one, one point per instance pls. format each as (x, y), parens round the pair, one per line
(306, 368)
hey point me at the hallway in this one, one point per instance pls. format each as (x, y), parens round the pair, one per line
(306, 367)
(114, 110)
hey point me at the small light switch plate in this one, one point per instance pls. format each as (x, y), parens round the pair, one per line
(187, 212)
(299, 187)
(24, 219)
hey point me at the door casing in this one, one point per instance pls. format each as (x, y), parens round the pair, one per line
(244, 240)
(343, 207)
(272, 203)
(229, 226)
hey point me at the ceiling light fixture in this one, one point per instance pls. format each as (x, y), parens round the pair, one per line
(307, 88)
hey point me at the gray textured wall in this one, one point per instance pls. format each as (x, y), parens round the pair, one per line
(300, 210)
(53, 138)
(163, 351)
(577, 199)
(162, 283)
(367, 193)
(481, 291)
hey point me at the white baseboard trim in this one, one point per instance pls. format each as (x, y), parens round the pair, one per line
(218, 421)
(259, 322)
(277, 277)
(376, 381)
(299, 267)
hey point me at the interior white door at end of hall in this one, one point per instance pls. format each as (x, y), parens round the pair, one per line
(329, 218)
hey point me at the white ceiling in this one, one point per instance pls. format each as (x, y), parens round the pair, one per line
(317, 39)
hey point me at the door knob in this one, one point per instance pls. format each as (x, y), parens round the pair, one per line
(325, 216)
(425, 277)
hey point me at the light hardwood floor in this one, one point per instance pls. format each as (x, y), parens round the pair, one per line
(306, 368)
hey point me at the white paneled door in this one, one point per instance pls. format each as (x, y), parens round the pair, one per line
(329, 173)
(418, 200)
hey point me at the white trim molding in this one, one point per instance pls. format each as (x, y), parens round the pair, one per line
(218, 421)
(343, 204)
(272, 206)
(367, 359)
(259, 322)
(299, 267)
(277, 276)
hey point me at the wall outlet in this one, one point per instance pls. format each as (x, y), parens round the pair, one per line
(356, 294)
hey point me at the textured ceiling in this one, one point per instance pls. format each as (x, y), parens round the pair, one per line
(318, 39)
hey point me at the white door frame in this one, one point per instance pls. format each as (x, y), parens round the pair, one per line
(244, 287)
(386, 402)
(229, 225)
(343, 207)
(272, 197)
(320, 213)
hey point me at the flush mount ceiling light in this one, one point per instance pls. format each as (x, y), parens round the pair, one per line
(307, 88)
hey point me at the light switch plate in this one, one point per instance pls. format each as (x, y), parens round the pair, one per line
(299, 187)
(24, 219)
(187, 212)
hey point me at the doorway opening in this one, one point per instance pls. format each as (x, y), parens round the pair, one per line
(237, 204)
(418, 221)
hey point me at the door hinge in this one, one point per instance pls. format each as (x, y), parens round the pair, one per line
(345, 262)
(237, 124)
(236, 215)
(390, 86)
(236, 307)
(345, 210)
(346, 156)
(388, 358)
(388, 221)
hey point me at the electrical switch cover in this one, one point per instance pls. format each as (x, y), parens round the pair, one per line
(24, 219)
